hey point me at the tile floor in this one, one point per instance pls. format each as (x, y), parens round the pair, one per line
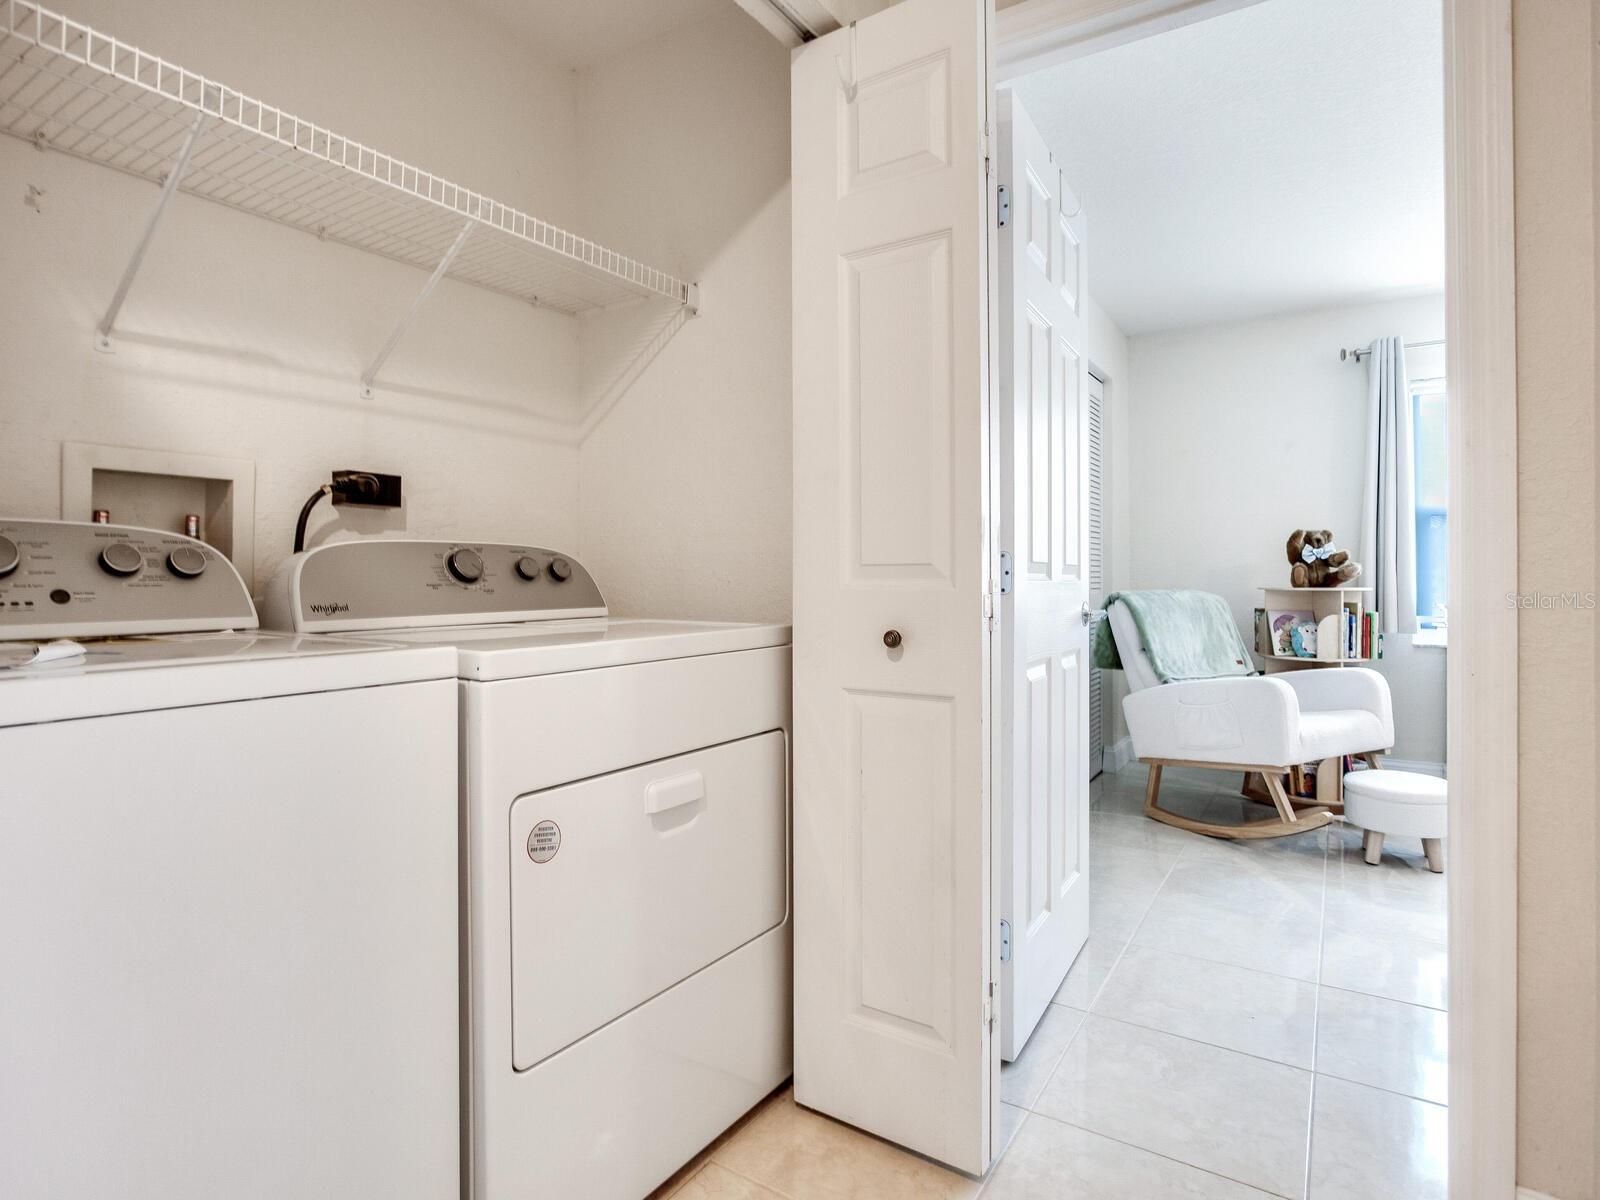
(1246, 1020)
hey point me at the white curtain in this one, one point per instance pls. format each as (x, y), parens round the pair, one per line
(1389, 507)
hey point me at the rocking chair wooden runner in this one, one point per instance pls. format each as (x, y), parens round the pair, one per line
(1259, 725)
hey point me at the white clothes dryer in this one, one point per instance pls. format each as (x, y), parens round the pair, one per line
(625, 797)
(228, 904)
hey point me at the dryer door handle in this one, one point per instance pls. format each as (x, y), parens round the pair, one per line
(674, 792)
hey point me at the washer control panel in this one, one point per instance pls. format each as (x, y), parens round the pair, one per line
(73, 579)
(387, 583)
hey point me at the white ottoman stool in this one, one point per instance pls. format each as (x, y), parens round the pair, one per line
(1399, 802)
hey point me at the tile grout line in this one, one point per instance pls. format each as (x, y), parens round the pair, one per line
(1217, 962)
(1183, 1037)
(1138, 925)
(1088, 1011)
(1316, 1010)
(1028, 1110)
(1350, 991)
(1027, 1115)
(1157, 1154)
(776, 1191)
(1378, 1087)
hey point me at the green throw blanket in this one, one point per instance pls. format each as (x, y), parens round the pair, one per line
(1186, 635)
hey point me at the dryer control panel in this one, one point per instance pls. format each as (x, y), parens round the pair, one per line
(389, 583)
(69, 579)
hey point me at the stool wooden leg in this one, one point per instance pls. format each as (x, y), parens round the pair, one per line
(1372, 843)
(1434, 849)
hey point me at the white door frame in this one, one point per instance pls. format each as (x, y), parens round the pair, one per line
(1480, 308)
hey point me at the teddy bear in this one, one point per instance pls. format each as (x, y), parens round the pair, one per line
(1315, 562)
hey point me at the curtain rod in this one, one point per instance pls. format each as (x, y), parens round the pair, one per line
(1363, 351)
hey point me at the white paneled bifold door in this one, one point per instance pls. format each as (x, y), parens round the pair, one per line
(895, 948)
(1042, 725)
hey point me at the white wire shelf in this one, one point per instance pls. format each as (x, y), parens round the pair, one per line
(67, 87)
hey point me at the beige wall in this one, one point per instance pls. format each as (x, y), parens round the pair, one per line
(1553, 64)
(1252, 429)
(247, 339)
(684, 158)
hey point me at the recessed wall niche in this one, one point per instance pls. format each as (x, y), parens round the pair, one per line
(157, 489)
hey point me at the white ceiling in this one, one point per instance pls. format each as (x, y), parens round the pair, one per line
(1285, 156)
(575, 33)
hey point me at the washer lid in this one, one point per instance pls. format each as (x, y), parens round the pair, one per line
(488, 652)
(120, 675)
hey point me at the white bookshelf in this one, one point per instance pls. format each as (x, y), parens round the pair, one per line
(1327, 607)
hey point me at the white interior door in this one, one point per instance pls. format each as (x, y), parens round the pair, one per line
(893, 848)
(1042, 749)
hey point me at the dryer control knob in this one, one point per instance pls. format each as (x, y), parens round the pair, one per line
(528, 568)
(121, 558)
(465, 565)
(560, 570)
(10, 557)
(186, 562)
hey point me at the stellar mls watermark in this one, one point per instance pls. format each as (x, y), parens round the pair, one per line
(1580, 601)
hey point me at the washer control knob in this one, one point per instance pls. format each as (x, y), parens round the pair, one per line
(186, 562)
(560, 570)
(465, 565)
(10, 557)
(121, 558)
(528, 567)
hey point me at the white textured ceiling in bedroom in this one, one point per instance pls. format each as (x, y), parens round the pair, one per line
(1284, 156)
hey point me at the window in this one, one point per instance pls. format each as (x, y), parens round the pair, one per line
(1430, 424)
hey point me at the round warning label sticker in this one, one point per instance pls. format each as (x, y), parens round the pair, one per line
(543, 841)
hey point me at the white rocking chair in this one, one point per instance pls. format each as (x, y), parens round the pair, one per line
(1259, 725)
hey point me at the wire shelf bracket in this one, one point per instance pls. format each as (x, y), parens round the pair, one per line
(68, 87)
(370, 377)
(102, 333)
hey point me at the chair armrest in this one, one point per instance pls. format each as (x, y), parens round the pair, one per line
(1246, 720)
(1325, 689)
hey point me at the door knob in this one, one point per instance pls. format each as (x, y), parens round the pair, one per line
(1092, 615)
(892, 638)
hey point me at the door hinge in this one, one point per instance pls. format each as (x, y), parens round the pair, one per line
(989, 1014)
(1002, 206)
(1005, 940)
(988, 608)
(1008, 572)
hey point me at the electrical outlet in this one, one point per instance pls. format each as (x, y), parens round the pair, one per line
(368, 489)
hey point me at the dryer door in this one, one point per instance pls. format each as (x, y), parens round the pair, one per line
(625, 884)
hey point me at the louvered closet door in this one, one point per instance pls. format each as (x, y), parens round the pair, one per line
(1097, 563)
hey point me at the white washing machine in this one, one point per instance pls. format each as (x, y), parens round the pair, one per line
(228, 902)
(624, 788)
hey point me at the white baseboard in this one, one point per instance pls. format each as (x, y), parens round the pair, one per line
(1421, 766)
(1118, 754)
(1529, 1194)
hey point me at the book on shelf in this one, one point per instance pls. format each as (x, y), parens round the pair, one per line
(1282, 627)
(1349, 635)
